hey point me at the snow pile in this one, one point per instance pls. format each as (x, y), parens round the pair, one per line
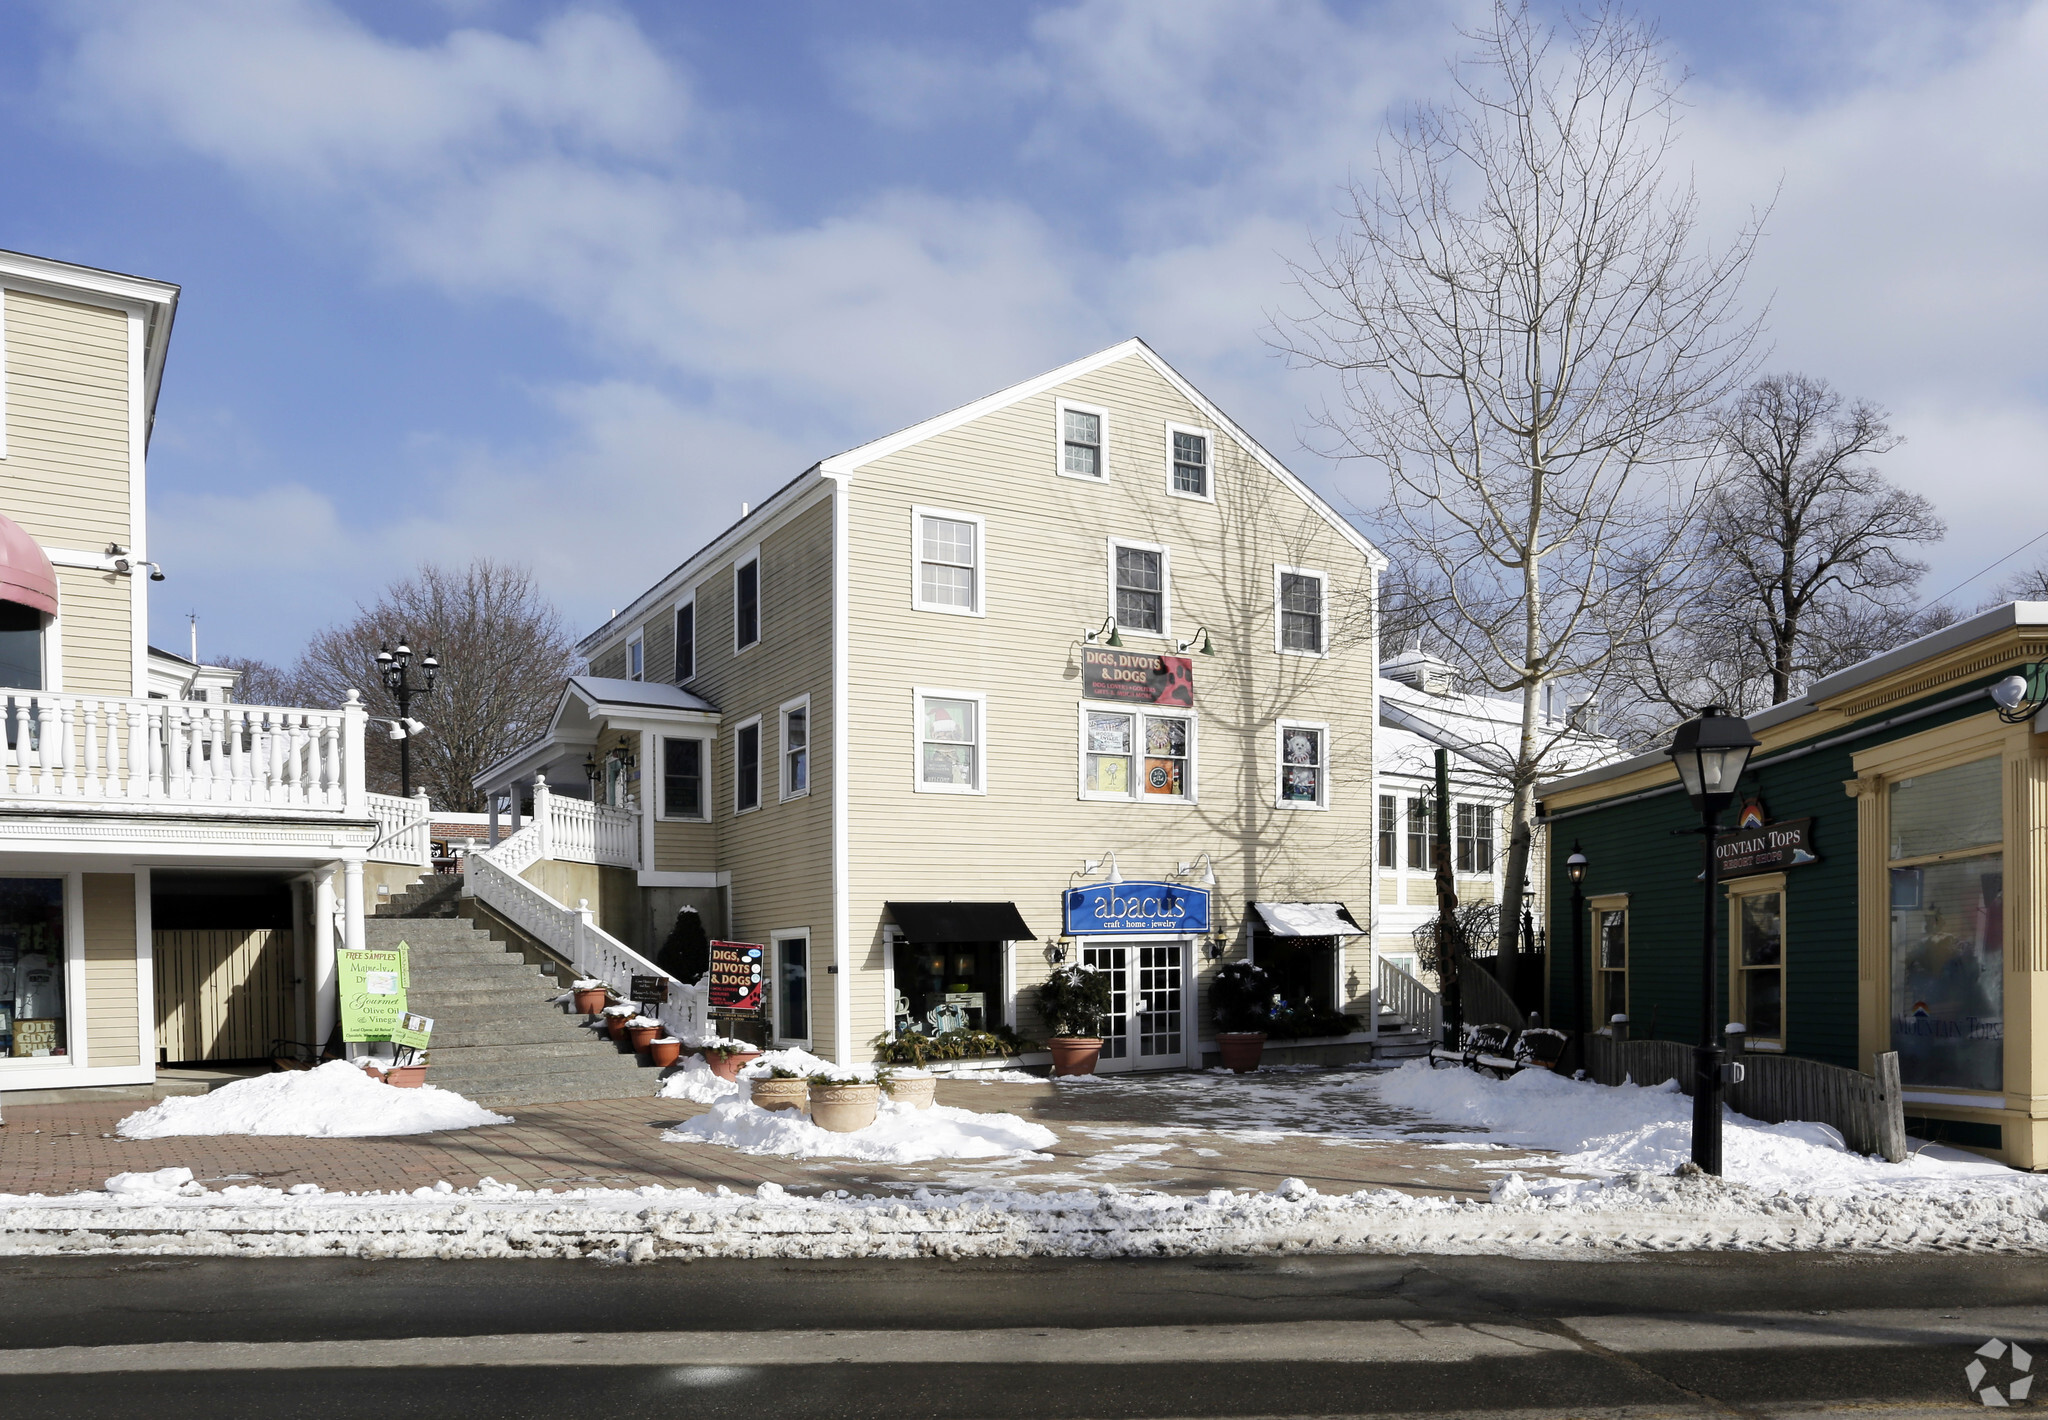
(1624, 1129)
(899, 1135)
(335, 1101)
(693, 1079)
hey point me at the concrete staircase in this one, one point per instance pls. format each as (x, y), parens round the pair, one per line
(498, 1036)
(1400, 1039)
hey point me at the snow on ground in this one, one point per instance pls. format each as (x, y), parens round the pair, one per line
(692, 1078)
(899, 1135)
(335, 1101)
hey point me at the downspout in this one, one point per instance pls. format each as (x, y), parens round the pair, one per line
(842, 906)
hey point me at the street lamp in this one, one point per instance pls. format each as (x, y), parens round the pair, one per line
(1576, 866)
(393, 668)
(1711, 753)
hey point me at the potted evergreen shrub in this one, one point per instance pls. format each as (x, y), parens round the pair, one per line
(725, 1057)
(1242, 1000)
(845, 1103)
(1073, 1001)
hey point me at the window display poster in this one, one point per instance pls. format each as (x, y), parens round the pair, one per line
(1948, 965)
(37, 1037)
(32, 1011)
(373, 986)
(736, 976)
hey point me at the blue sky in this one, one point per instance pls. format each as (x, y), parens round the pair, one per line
(566, 283)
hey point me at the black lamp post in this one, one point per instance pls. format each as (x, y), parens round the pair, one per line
(393, 668)
(1711, 753)
(1576, 866)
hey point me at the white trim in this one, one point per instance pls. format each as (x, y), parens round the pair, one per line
(918, 514)
(803, 703)
(775, 941)
(1165, 631)
(842, 886)
(145, 971)
(138, 507)
(1136, 796)
(1322, 621)
(1956, 1099)
(675, 611)
(1280, 801)
(77, 1009)
(1059, 439)
(760, 745)
(47, 1075)
(1208, 437)
(704, 775)
(53, 646)
(753, 555)
(918, 696)
(892, 937)
(636, 650)
(650, 878)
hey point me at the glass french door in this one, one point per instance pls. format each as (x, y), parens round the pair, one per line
(1146, 1028)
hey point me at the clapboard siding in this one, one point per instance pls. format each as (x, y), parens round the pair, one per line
(111, 1015)
(222, 994)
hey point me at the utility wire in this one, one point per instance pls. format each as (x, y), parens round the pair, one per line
(1981, 571)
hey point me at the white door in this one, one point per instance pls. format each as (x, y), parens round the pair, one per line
(1146, 1028)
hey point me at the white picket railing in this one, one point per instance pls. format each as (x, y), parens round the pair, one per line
(1416, 1005)
(572, 932)
(579, 831)
(103, 749)
(404, 830)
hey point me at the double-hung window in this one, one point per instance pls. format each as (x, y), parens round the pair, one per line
(1475, 838)
(796, 748)
(951, 741)
(1389, 832)
(746, 766)
(1304, 765)
(1299, 611)
(746, 601)
(1084, 440)
(1129, 754)
(1757, 919)
(636, 657)
(1421, 837)
(682, 778)
(949, 562)
(686, 641)
(1138, 575)
(1610, 955)
(1187, 454)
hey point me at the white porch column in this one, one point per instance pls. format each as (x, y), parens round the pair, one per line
(352, 904)
(326, 1001)
(494, 818)
(650, 767)
(543, 820)
(513, 791)
(354, 789)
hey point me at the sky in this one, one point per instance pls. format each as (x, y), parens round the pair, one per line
(565, 284)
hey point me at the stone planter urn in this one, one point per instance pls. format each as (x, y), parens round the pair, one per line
(914, 1090)
(773, 1093)
(1075, 1054)
(843, 1108)
(1241, 1049)
(727, 1066)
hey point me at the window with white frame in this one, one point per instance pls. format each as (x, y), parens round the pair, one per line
(636, 657)
(792, 998)
(949, 556)
(1304, 765)
(1138, 575)
(1421, 836)
(1187, 453)
(950, 742)
(1475, 838)
(1299, 597)
(1132, 754)
(796, 748)
(746, 601)
(746, 766)
(1084, 440)
(686, 641)
(682, 779)
(1390, 831)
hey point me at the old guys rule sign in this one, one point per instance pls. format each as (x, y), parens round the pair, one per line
(1137, 676)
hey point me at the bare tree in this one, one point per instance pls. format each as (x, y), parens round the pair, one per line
(1529, 334)
(504, 653)
(2030, 586)
(261, 683)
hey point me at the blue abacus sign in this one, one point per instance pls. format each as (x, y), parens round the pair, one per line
(1120, 909)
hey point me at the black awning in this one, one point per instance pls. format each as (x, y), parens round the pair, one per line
(960, 921)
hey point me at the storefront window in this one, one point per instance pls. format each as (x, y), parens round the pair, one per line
(1947, 928)
(793, 988)
(948, 986)
(1610, 984)
(1760, 964)
(1113, 741)
(21, 646)
(32, 1008)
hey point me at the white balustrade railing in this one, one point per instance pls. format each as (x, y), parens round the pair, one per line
(572, 933)
(103, 749)
(579, 831)
(1396, 991)
(404, 830)
(519, 852)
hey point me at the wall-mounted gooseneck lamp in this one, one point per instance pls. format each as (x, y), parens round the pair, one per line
(1201, 635)
(1108, 629)
(1094, 865)
(1203, 861)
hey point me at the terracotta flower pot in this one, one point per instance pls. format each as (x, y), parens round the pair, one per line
(644, 1036)
(615, 1026)
(1075, 1054)
(664, 1053)
(843, 1108)
(913, 1090)
(590, 1002)
(781, 1094)
(1241, 1049)
(727, 1067)
(406, 1077)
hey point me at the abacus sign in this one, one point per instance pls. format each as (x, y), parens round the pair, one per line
(1118, 909)
(736, 976)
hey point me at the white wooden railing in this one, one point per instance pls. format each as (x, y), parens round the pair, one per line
(404, 830)
(572, 933)
(1395, 991)
(118, 750)
(579, 831)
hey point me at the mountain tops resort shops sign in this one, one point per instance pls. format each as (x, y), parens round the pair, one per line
(1756, 846)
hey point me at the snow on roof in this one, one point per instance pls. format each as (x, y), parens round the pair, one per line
(1483, 730)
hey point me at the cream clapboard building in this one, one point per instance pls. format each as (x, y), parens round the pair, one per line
(879, 725)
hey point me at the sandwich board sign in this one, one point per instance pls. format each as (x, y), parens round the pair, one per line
(736, 976)
(373, 986)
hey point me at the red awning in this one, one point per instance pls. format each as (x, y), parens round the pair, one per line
(26, 576)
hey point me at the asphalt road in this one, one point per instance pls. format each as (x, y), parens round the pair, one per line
(1678, 1335)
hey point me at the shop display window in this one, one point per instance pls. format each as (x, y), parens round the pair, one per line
(33, 1011)
(948, 986)
(1128, 754)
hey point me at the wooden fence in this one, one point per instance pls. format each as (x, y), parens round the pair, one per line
(223, 994)
(1867, 1110)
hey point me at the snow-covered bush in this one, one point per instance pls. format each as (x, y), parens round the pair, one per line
(1074, 999)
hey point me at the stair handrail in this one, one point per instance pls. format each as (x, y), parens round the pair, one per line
(1408, 998)
(413, 837)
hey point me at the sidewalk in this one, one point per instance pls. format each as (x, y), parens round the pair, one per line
(1133, 1133)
